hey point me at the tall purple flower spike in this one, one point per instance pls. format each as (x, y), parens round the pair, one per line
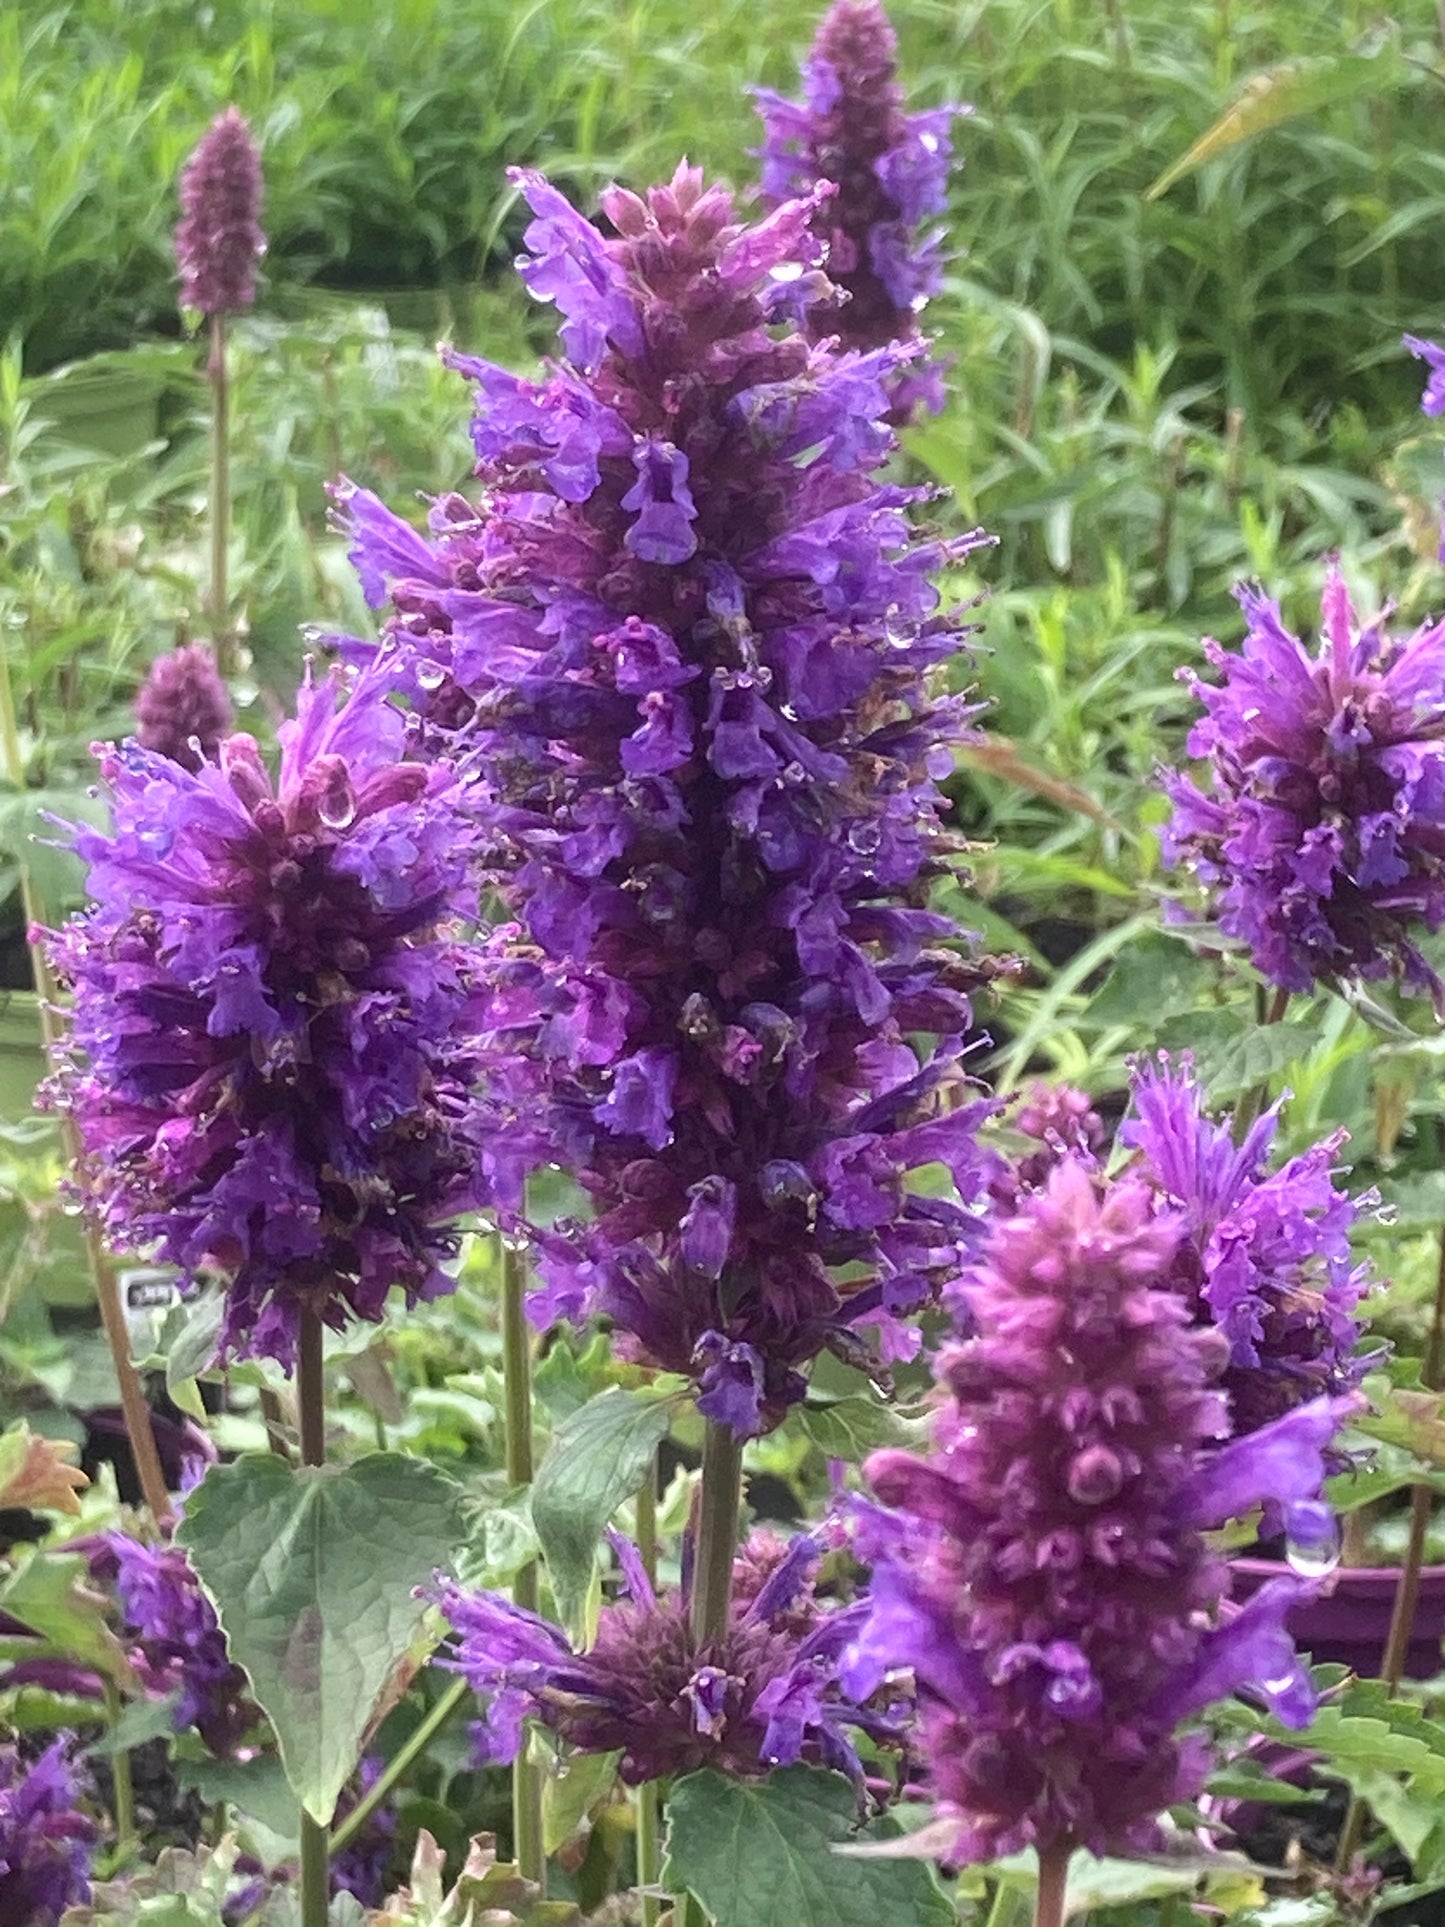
(763, 1695)
(1319, 831)
(219, 239)
(272, 1053)
(46, 1842)
(182, 709)
(1265, 1255)
(689, 639)
(1045, 1572)
(890, 174)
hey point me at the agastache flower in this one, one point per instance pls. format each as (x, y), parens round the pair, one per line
(689, 639)
(46, 1841)
(764, 1694)
(271, 1056)
(1319, 831)
(1053, 1120)
(1045, 1572)
(1265, 1255)
(1433, 355)
(890, 173)
(182, 709)
(174, 1639)
(219, 239)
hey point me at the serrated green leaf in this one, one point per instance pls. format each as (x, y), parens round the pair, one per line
(182, 1889)
(761, 1854)
(1232, 1053)
(312, 1571)
(598, 1458)
(193, 1349)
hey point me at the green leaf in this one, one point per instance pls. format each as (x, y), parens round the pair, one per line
(1279, 94)
(259, 1795)
(761, 1854)
(487, 1890)
(573, 1786)
(49, 1594)
(312, 1572)
(851, 1428)
(182, 1889)
(1232, 1053)
(193, 1349)
(598, 1458)
(1158, 974)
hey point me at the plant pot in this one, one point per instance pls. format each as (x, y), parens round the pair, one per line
(1348, 1620)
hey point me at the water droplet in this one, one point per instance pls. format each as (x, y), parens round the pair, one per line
(338, 809)
(1282, 1683)
(1312, 1539)
(788, 271)
(430, 675)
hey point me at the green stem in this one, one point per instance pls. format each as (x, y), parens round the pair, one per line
(1255, 1100)
(1407, 1589)
(135, 1411)
(1005, 1909)
(527, 1840)
(122, 1784)
(220, 494)
(717, 1532)
(1053, 1883)
(450, 1700)
(649, 1817)
(311, 1420)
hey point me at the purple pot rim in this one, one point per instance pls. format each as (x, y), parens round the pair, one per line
(1345, 1578)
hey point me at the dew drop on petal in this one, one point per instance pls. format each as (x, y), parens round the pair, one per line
(430, 675)
(1312, 1539)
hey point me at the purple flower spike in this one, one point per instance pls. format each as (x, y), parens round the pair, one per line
(766, 1694)
(689, 639)
(1045, 1572)
(45, 1840)
(182, 709)
(219, 239)
(1320, 827)
(272, 1058)
(176, 1642)
(1265, 1255)
(890, 171)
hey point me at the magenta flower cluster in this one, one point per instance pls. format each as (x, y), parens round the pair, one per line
(889, 170)
(1319, 831)
(182, 709)
(272, 1059)
(46, 1840)
(688, 638)
(219, 239)
(1045, 1571)
(764, 1694)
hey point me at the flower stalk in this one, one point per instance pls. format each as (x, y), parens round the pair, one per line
(719, 1501)
(311, 1416)
(219, 378)
(517, 1376)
